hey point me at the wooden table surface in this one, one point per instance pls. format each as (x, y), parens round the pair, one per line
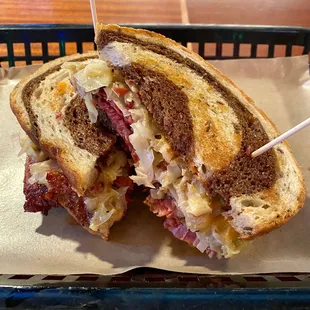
(267, 12)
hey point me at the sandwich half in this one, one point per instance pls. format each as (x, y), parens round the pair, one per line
(190, 131)
(71, 162)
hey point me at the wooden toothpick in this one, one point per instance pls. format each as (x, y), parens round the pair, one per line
(93, 13)
(282, 137)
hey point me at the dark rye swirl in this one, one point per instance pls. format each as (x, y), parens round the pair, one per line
(211, 124)
(69, 137)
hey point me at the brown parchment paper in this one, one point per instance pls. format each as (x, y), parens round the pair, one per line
(34, 244)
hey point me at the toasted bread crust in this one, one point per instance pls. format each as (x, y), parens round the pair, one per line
(263, 230)
(20, 114)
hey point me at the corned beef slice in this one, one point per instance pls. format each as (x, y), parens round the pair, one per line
(120, 123)
(35, 194)
(166, 207)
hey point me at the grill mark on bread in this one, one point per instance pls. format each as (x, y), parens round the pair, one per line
(244, 175)
(168, 105)
(90, 137)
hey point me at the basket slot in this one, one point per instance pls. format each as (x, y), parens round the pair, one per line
(87, 46)
(53, 48)
(245, 50)
(70, 48)
(54, 278)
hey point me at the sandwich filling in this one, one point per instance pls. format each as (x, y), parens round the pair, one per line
(46, 187)
(176, 192)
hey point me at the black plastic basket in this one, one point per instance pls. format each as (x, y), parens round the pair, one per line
(147, 288)
(254, 36)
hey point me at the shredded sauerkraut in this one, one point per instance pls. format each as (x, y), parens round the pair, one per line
(95, 75)
(140, 142)
(88, 76)
(29, 148)
(113, 167)
(92, 111)
(107, 207)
